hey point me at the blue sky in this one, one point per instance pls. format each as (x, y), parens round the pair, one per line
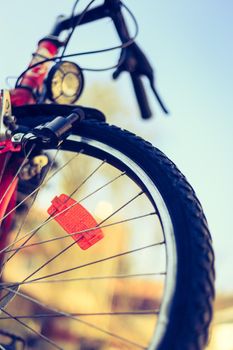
(190, 45)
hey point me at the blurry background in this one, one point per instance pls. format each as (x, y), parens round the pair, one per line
(190, 45)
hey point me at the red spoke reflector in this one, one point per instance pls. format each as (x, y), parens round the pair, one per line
(75, 218)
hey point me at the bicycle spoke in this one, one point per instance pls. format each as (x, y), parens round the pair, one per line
(35, 230)
(41, 336)
(38, 188)
(16, 175)
(90, 278)
(80, 232)
(5, 299)
(88, 177)
(121, 207)
(101, 187)
(91, 263)
(27, 213)
(68, 315)
(58, 315)
(73, 243)
(22, 224)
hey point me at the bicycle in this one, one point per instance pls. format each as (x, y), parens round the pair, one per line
(104, 244)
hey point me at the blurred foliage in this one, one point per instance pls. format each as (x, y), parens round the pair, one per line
(106, 98)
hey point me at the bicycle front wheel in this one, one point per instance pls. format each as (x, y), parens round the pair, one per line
(147, 283)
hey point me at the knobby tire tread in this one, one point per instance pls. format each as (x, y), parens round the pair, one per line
(191, 332)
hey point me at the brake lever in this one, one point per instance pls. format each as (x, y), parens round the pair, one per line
(133, 60)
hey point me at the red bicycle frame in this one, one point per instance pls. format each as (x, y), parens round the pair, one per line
(21, 95)
(8, 191)
(33, 78)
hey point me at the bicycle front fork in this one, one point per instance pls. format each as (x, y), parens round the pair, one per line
(8, 187)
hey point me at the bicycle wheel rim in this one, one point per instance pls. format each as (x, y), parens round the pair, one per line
(144, 180)
(115, 157)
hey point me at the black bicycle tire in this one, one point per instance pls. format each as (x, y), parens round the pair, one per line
(194, 293)
(191, 309)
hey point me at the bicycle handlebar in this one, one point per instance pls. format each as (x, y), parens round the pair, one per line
(141, 96)
(135, 61)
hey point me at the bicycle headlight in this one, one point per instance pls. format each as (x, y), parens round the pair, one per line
(65, 82)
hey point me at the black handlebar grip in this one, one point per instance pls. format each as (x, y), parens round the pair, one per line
(141, 96)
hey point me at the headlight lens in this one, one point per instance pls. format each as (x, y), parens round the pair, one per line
(65, 83)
